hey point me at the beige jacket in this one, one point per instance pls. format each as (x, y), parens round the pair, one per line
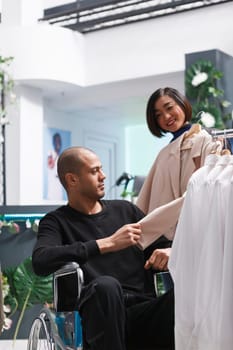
(164, 189)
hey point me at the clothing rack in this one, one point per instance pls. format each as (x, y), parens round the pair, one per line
(226, 133)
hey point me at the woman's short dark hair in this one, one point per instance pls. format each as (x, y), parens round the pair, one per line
(181, 100)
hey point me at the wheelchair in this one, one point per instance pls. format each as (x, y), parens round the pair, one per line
(60, 328)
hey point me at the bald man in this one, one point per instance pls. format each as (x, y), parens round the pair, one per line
(118, 305)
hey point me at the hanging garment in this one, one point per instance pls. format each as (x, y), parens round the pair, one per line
(201, 261)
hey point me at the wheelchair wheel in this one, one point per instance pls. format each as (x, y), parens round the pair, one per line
(40, 337)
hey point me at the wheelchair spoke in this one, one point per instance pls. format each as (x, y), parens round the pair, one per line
(40, 337)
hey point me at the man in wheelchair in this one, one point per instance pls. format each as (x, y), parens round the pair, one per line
(118, 305)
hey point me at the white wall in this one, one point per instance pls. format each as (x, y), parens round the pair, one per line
(24, 146)
(82, 126)
(157, 46)
(44, 52)
(142, 148)
(141, 49)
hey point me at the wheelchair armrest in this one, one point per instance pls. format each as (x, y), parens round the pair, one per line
(67, 285)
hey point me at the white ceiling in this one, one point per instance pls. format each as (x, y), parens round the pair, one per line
(123, 101)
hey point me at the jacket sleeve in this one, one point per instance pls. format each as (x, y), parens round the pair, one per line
(160, 220)
(147, 198)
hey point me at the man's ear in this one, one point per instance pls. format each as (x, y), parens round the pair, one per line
(71, 179)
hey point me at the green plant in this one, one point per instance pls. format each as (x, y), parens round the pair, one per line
(14, 227)
(26, 290)
(201, 88)
(126, 193)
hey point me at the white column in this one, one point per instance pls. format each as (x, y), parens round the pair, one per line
(21, 12)
(24, 149)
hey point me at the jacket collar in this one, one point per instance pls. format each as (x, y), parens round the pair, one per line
(175, 148)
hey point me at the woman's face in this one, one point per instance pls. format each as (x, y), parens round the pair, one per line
(170, 116)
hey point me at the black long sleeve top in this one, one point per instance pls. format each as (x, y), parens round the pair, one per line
(68, 235)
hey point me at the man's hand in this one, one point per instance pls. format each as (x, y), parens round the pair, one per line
(128, 235)
(158, 259)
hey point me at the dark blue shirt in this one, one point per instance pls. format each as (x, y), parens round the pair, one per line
(179, 132)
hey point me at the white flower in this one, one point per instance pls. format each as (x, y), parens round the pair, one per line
(226, 103)
(6, 309)
(208, 119)
(5, 289)
(35, 225)
(28, 223)
(12, 97)
(7, 323)
(199, 78)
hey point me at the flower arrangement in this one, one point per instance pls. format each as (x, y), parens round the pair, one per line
(13, 227)
(7, 322)
(200, 84)
(21, 288)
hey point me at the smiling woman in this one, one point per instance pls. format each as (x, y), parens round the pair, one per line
(169, 111)
(169, 114)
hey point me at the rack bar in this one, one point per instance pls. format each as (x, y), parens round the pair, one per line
(226, 133)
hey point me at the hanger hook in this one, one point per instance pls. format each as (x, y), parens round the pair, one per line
(225, 139)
